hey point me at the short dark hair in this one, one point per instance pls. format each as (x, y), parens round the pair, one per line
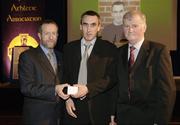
(47, 21)
(118, 3)
(90, 13)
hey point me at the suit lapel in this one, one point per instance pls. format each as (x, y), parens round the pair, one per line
(59, 65)
(74, 56)
(78, 51)
(95, 52)
(142, 55)
(44, 60)
(125, 57)
(95, 49)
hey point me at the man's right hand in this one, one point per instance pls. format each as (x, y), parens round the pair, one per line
(112, 122)
(59, 90)
(70, 107)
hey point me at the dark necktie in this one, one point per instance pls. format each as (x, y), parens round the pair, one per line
(130, 64)
(82, 77)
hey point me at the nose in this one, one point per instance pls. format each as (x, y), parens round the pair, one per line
(119, 13)
(130, 29)
(51, 36)
(88, 28)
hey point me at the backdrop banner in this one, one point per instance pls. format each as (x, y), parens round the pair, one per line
(19, 22)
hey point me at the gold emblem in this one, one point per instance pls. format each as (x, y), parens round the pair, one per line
(21, 40)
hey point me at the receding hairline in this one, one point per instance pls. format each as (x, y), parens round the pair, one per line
(48, 21)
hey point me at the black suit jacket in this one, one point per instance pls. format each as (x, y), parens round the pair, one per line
(37, 83)
(153, 87)
(100, 80)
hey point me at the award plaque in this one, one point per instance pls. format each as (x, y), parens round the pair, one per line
(17, 50)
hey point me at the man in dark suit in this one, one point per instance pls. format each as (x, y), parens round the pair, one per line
(146, 92)
(91, 105)
(39, 75)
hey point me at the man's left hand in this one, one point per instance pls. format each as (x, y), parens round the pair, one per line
(82, 91)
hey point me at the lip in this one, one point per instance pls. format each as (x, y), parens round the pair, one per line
(130, 34)
(89, 34)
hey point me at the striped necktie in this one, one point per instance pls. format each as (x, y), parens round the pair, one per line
(130, 64)
(52, 59)
(131, 57)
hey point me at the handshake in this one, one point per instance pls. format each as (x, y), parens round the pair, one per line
(76, 91)
(70, 90)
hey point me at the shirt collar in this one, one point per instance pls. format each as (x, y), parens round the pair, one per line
(83, 41)
(138, 44)
(45, 50)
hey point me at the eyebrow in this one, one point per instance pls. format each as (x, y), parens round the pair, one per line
(84, 23)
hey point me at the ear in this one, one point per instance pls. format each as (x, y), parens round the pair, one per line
(80, 27)
(145, 27)
(39, 35)
(99, 27)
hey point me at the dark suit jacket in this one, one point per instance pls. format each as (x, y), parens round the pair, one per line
(37, 84)
(153, 87)
(101, 78)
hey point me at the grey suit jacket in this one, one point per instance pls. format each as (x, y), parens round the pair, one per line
(37, 83)
(153, 88)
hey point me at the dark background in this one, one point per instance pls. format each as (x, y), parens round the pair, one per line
(11, 100)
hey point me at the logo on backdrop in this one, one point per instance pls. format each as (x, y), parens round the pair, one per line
(20, 20)
(21, 40)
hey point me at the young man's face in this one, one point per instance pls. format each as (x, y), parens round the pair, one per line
(117, 14)
(48, 36)
(90, 26)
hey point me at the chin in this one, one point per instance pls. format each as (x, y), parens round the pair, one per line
(89, 39)
(132, 42)
(51, 46)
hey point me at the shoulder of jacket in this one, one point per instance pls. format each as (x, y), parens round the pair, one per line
(156, 45)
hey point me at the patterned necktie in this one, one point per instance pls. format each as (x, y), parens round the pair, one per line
(131, 63)
(52, 59)
(131, 57)
(82, 77)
